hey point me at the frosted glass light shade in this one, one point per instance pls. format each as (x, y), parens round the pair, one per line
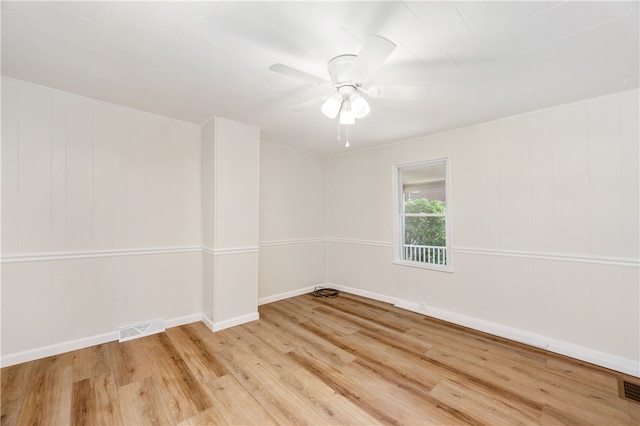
(346, 114)
(331, 107)
(359, 106)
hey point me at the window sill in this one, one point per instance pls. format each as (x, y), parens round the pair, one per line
(424, 266)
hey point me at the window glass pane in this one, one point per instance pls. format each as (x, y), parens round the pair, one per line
(425, 231)
(422, 213)
(425, 240)
(424, 205)
(424, 182)
(436, 193)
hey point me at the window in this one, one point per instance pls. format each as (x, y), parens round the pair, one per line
(423, 214)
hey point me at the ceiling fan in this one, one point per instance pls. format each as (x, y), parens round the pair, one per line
(349, 75)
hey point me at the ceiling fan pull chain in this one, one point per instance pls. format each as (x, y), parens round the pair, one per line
(346, 145)
(338, 130)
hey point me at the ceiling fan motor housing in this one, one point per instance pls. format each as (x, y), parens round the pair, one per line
(340, 69)
(347, 102)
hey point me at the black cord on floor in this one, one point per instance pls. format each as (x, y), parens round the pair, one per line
(325, 292)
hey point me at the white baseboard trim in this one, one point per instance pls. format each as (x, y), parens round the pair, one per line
(187, 319)
(207, 321)
(476, 324)
(56, 349)
(612, 362)
(85, 342)
(286, 295)
(602, 359)
(363, 293)
(221, 325)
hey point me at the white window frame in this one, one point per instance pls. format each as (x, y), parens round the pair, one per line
(398, 217)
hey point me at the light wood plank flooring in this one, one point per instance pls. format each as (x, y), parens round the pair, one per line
(347, 360)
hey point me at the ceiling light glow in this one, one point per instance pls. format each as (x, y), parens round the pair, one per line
(359, 106)
(331, 107)
(346, 114)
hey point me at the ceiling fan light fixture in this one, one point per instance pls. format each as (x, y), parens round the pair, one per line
(359, 106)
(346, 113)
(331, 107)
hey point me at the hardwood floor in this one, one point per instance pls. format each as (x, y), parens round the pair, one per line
(347, 360)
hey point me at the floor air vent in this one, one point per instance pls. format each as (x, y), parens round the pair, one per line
(141, 330)
(629, 390)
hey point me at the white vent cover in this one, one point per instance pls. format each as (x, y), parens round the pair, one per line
(141, 330)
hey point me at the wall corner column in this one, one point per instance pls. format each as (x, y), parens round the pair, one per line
(230, 196)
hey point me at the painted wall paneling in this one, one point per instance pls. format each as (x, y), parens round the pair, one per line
(100, 221)
(545, 228)
(135, 216)
(230, 183)
(292, 221)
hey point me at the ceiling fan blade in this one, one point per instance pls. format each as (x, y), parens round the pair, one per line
(297, 74)
(375, 51)
(413, 93)
(308, 104)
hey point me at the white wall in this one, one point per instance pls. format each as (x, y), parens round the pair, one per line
(292, 221)
(545, 228)
(100, 218)
(230, 175)
(102, 206)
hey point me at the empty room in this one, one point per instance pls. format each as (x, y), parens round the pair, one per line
(358, 212)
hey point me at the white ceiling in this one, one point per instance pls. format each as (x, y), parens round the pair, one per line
(193, 60)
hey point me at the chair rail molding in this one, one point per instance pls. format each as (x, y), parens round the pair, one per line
(88, 254)
(562, 257)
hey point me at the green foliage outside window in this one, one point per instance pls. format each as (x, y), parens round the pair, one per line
(425, 231)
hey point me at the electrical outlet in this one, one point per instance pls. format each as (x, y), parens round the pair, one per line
(422, 306)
